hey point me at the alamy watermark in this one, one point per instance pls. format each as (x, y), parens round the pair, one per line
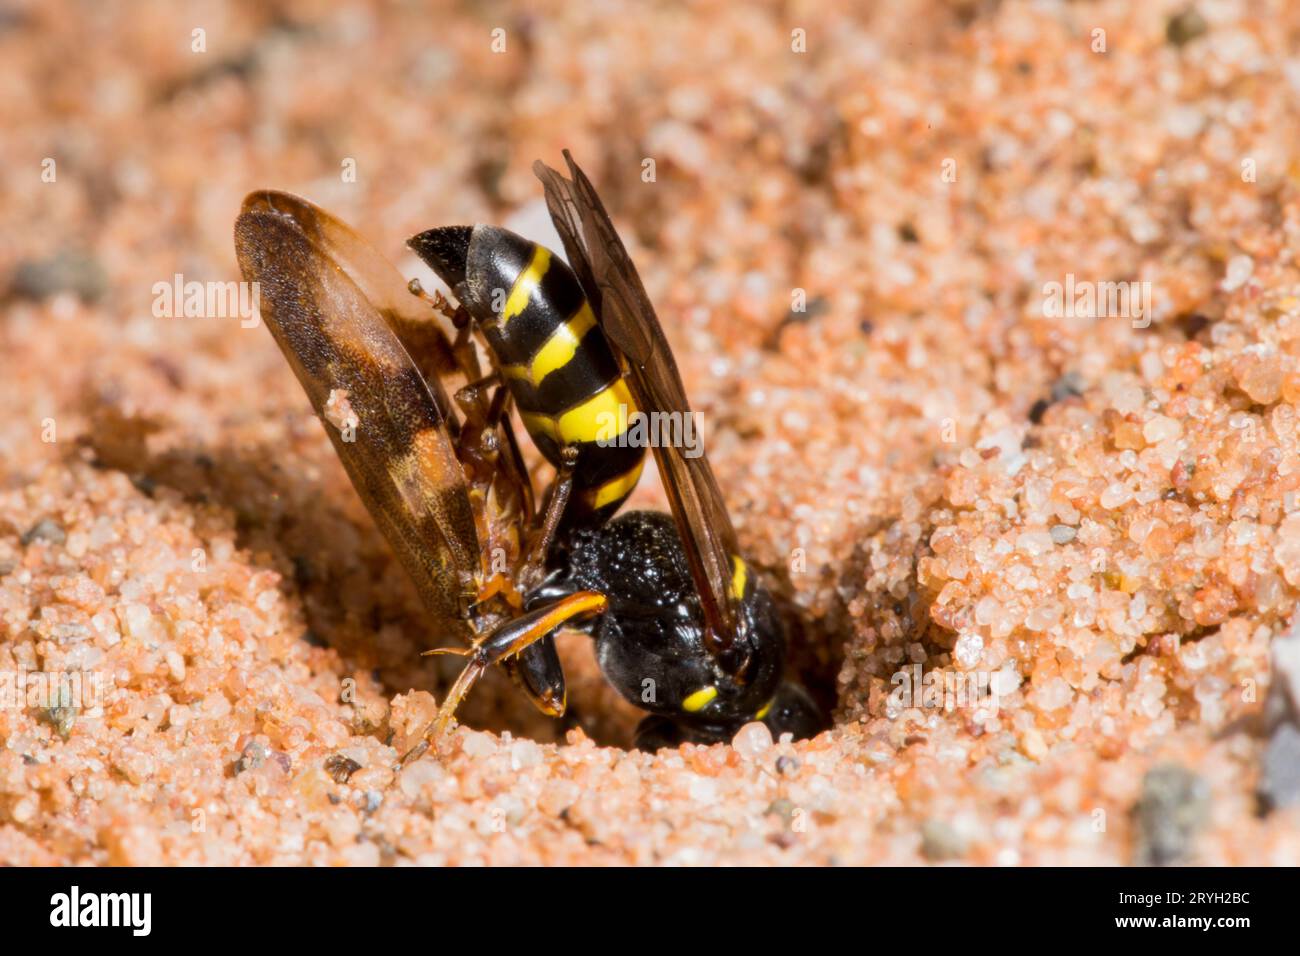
(942, 690)
(1085, 299)
(637, 429)
(207, 300)
(84, 691)
(75, 908)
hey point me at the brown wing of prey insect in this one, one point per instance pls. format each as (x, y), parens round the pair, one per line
(344, 319)
(619, 301)
(328, 300)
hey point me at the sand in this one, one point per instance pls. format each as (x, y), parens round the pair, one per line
(1077, 526)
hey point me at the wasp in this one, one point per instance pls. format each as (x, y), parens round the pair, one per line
(683, 627)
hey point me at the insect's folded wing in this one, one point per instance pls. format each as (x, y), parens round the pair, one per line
(562, 205)
(388, 429)
(627, 317)
(377, 280)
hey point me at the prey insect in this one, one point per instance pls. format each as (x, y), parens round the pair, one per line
(683, 628)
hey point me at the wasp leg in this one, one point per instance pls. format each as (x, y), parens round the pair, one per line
(437, 301)
(485, 429)
(479, 445)
(561, 490)
(506, 641)
(482, 410)
(479, 449)
(429, 347)
(517, 470)
(469, 396)
(462, 348)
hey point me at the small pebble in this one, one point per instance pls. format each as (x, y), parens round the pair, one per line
(68, 270)
(45, 530)
(340, 768)
(1062, 533)
(252, 757)
(752, 740)
(524, 754)
(1185, 27)
(1174, 805)
(1279, 784)
(941, 841)
(968, 650)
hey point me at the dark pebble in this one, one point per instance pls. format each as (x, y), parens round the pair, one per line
(340, 768)
(64, 271)
(1279, 784)
(252, 757)
(1174, 805)
(44, 530)
(61, 719)
(1185, 27)
(939, 841)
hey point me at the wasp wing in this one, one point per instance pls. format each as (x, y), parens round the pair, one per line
(619, 300)
(323, 293)
(381, 284)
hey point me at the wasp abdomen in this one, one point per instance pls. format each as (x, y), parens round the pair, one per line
(552, 354)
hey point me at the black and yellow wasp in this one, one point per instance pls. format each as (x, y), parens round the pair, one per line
(683, 628)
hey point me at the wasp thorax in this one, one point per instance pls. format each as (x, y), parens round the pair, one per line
(652, 643)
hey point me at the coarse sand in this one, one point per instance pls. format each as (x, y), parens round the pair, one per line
(1035, 548)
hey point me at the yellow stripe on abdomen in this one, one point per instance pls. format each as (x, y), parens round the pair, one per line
(527, 283)
(603, 417)
(539, 424)
(563, 344)
(616, 489)
(558, 350)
